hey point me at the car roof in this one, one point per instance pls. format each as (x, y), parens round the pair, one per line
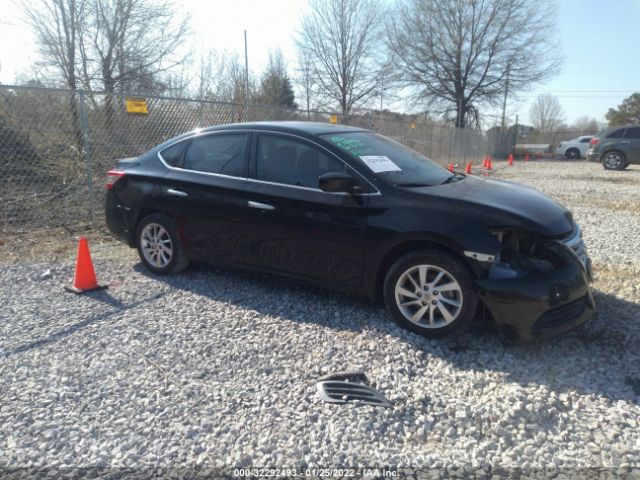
(309, 128)
(616, 127)
(299, 128)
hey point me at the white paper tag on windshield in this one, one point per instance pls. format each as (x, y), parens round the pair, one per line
(380, 163)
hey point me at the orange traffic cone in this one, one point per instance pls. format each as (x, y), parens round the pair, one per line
(468, 168)
(451, 167)
(510, 161)
(489, 164)
(526, 157)
(85, 277)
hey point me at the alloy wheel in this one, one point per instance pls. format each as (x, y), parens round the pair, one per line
(156, 245)
(613, 161)
(428, 296)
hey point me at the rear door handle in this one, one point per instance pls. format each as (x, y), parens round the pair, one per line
(260, 206)
(625, 141)
(177, 193)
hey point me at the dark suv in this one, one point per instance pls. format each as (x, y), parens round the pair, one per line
(348, 209)
(616, 147)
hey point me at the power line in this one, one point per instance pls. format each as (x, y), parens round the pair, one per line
(587, 91)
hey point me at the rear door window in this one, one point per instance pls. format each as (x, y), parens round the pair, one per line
(585, 140)
(616, 134)
(633, 133)
(220, 153)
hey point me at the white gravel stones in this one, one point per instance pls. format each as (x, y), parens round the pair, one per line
(217, 368)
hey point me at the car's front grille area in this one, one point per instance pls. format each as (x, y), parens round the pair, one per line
(563, 314)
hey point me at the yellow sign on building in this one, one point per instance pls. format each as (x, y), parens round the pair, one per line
(136, 105)
(333, 119)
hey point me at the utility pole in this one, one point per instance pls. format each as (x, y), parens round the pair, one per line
(515, 137)
(381, 97)
(506, 92)
(246, 73)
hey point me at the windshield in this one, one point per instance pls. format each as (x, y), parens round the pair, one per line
(390, 160)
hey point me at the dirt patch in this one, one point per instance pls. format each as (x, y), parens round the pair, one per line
(616, 180)
(51, 244)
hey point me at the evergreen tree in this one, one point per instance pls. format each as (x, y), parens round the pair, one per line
(275, 85)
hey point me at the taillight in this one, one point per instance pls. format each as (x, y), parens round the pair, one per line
(113, 176)
(594, 141)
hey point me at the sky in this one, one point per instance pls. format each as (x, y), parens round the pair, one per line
(599, 41)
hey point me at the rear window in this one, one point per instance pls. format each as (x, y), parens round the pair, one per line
(616, 133)
(173, 155)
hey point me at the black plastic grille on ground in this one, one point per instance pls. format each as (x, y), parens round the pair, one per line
(350, 387)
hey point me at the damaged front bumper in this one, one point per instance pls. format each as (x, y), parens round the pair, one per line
(541, 305)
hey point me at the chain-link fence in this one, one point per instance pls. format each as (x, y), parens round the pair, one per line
(57, 145)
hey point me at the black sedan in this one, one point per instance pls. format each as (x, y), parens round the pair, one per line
(348, 209)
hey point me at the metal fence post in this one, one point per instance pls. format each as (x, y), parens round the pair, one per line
(87, 155)
(431, 141)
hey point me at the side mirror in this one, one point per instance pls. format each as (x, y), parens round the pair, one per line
(337, 182)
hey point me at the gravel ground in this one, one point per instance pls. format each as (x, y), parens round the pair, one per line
(215, 368)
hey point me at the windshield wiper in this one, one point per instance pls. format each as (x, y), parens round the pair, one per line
(414, 185)
(454, 178)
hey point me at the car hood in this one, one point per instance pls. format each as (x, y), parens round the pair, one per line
(506, 204)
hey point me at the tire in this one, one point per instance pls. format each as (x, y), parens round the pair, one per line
(614, 160)
(572, 154)
(441, 269)
(159, 245)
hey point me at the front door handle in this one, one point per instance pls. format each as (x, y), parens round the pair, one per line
(625, 141)
(177, 193)
(260, 206)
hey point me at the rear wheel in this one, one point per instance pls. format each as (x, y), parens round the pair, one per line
(159, 246)
(430, 293)
(614, 160)
(572, 154)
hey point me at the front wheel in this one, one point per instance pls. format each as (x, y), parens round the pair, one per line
(159, 246)
(430, 293)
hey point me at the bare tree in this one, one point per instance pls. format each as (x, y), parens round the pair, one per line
(586, 125)
(341, 40)
(306, 83)
(205, 75)
(131, 45)
(58, 25)
(221, 77)
(114, 45)
(546, 113)
(457, 55)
